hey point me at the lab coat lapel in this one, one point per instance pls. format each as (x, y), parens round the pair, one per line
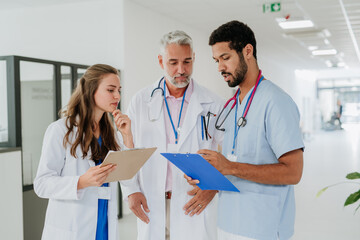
(192, 114)
(90, 161)
(156, 113)
(79, 152)
(155, 105)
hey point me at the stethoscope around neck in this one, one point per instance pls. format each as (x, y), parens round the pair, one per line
(241, 122)
(158, 88)
(176, 130)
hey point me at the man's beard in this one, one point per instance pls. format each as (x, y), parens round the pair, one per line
(178, 84)
(240, 73)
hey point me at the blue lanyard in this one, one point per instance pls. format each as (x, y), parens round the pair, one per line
(168, 111)
(237, 128)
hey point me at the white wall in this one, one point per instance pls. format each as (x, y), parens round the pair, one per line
(305, 97)
(274, 67)
(143, 30)
(102, 32)
(86, 33)
(11, 204)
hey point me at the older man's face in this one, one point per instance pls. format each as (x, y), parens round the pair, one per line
(177, 62)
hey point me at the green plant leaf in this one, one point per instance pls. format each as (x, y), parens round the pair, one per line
(354, 175)
(352, 198)
(321, 191)
(357, 208)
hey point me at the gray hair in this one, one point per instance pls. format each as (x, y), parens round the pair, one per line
(177, 37)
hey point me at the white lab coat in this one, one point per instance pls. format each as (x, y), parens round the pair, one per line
(148, 124)
(71, 213)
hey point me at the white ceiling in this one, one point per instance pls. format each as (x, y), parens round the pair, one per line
(13, 4)
(327, 15)
(274, 44)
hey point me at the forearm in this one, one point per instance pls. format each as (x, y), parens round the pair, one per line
(287, 171)
(128, 140)
(275, 174)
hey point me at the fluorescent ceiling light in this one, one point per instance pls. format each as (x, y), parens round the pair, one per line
(296, 24)
(324, 52)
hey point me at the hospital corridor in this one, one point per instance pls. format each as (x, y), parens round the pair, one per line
(156, 74)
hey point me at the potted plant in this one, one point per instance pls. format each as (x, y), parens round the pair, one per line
(352, 198)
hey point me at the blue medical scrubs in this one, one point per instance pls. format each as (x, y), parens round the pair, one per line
(261, 211)
(102, 221)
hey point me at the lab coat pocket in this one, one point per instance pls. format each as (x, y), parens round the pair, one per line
(54, 233)
(255, 215)
(205, 144)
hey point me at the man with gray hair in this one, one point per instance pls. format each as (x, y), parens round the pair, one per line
(175, 114)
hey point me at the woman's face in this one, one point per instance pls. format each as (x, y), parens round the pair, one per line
(107, 95)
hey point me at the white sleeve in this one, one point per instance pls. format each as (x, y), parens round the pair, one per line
(48, 182)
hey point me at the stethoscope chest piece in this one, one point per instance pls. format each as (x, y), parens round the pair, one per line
(241, 122)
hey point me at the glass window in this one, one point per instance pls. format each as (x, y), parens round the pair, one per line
(4, 133)
(79, 74)
(37, 112)
(65, 85)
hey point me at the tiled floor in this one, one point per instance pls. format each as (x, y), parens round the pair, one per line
(328, 156)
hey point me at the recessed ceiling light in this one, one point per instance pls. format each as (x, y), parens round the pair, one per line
(341, 64)
(326, 33)
(324, 52)
(328, 63)
(312, 48)
(296, 24)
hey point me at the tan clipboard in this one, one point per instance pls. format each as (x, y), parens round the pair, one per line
(128, 162)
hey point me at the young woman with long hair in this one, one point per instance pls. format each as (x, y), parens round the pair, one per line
(81, 205)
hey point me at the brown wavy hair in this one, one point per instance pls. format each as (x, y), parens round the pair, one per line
(80, 114)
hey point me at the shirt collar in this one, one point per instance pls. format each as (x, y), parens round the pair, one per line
(189, 91)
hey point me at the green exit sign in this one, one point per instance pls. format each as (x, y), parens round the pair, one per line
(272, 7)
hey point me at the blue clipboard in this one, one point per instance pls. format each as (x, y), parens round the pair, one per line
(196, 167)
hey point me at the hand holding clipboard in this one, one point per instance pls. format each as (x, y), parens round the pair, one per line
(196, 167)
(128, 162)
